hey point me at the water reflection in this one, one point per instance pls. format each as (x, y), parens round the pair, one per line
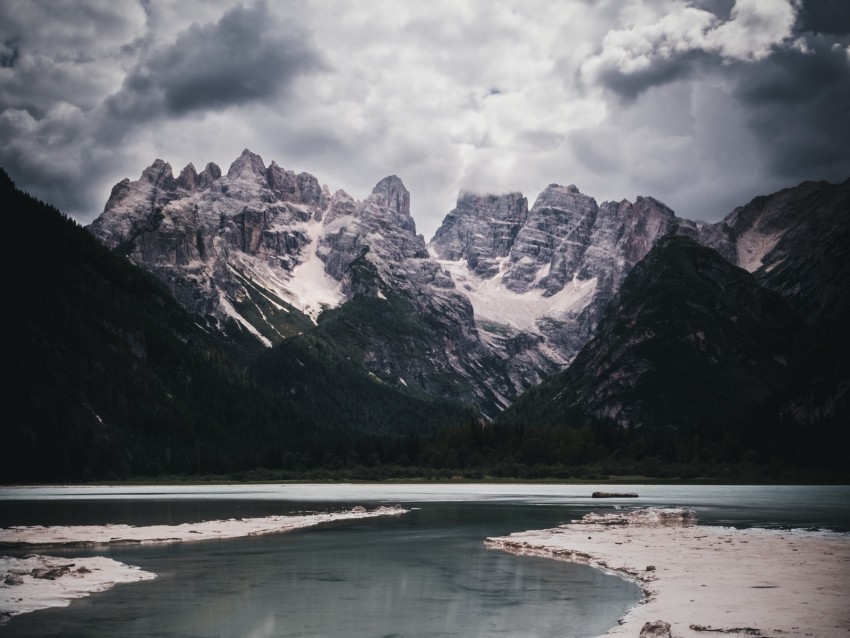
(424, 574)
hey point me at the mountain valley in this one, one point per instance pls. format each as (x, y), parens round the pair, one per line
(571, 324)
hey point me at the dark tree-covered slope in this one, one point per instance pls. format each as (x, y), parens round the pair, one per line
(807, 230)
(689, 342)
(108, 376)
(105, 373)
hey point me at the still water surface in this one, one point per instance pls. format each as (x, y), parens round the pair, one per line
(426, 573)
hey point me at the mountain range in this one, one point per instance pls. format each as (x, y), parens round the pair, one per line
(617, 316)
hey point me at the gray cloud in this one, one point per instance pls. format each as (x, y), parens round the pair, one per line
(825, 16)
(246, 56)
(798, 104)
(628, 85)
(74, 118)
(700, 103)
(636, 58)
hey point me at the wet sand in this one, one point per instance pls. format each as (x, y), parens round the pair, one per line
(703, 580)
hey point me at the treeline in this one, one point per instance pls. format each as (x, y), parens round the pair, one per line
(478, 451)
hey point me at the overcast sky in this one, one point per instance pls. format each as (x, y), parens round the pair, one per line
(702, 104)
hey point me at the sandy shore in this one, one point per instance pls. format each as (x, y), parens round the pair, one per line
(37, 582)
(702, 579)
(86, 535)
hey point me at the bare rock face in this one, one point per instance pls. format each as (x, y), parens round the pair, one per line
(261, 250)
(481, 230)
(372, 248)
(554, 237)
(382, 222)
(226, 245)
(796, 242)
(501, 298)
(512, 296)
(542, 278)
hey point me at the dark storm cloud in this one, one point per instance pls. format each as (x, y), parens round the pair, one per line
(798, 104)
(72, 115)
(247, 56)
(629, 85)
(9, 54)
(825, 16)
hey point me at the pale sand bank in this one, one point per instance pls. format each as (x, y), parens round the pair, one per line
(37, 582)
(85, 535)
(753, 582)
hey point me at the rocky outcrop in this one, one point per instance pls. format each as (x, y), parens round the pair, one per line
(655, 629)
(382, 223)
(555, 236)
(481, 230)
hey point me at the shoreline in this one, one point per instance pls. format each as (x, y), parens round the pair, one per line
(628, 480)
(35, 581)
(18, 537)
(703, 579)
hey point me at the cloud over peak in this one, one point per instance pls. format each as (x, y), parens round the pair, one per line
(700, 103)
(248, 55)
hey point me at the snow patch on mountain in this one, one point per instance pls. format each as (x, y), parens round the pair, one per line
(495, 302)
(310, 288)
(230, 311)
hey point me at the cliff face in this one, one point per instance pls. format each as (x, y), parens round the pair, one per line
(549, 272)
(501, 298)
(260, 253)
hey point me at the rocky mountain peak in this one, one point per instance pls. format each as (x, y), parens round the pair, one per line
(481, 229)
(566, 198)
(159, 174)
(393, 194)
(283, 183)
(210, 174)
(311, 191)
(553, 239)
(247, 165)
(188, 178)
(390, 200)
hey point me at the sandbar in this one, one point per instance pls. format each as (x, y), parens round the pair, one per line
(88, 535)
(705, 580)
(36, 582)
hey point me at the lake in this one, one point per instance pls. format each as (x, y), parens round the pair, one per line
(426, 573)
